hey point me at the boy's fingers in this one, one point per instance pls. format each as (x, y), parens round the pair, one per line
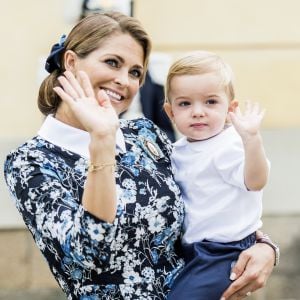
(255, 108)
(238, 112)
(262, 113)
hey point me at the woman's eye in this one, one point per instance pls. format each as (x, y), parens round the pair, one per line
(112, 62)
(136, 73)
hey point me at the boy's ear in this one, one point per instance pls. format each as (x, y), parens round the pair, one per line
(70, 60)
(168, 110)
(233, 105)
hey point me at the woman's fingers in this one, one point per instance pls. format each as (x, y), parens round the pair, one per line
(103, 99)
(67, 87)
(74, 85)
(239, 281)
(239, 290)
(86, 84)
(63, 95)
(253, 269)
(93, 112)
(240, 265)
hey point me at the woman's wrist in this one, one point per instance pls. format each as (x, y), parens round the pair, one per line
(102, 150)
(99, 167)
(265, 239)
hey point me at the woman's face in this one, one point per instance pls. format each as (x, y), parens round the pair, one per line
(115, 67)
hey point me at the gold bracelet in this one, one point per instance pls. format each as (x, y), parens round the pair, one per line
(94, 168)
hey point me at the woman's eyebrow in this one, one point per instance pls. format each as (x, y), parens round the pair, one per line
(122, 60)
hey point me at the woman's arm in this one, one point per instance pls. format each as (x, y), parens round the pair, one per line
(45, 189)
(252, 271)
(99, 196)
(95, 114)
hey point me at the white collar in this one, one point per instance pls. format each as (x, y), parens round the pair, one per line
(68, 137)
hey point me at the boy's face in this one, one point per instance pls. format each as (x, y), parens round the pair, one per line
(199, 105)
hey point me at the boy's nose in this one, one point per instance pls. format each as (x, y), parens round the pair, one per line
(198, 111)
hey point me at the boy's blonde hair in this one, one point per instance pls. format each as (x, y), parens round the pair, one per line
(201, 62)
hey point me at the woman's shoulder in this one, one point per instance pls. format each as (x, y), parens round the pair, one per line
(144, 128)
(25, 148)
(31, 147)
(136, 123)
(37, 150)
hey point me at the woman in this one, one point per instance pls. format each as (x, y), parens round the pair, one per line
(97, 194)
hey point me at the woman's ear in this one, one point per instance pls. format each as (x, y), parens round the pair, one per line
(168, 110)
(70, 58)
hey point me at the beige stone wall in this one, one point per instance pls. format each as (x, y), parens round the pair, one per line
(231, 22)
(260, 39)
(28, 28)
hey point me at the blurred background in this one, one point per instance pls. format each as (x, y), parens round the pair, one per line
(259, 39)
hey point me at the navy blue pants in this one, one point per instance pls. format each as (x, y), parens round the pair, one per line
(207, 270)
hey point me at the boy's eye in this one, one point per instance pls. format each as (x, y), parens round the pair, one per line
(136, 73)
(211, 101)
(183, 103)
(112, 62)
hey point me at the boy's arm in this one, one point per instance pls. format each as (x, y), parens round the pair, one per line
(247, 125)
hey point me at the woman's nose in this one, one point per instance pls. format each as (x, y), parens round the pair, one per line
(122, 78)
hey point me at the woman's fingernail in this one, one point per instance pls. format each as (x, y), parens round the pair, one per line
(223, 298)
(232, 276)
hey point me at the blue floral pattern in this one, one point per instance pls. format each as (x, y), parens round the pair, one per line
(134, 257)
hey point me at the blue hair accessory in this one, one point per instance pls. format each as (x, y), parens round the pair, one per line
(53, 60)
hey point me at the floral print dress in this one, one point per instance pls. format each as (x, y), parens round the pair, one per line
(134, 257)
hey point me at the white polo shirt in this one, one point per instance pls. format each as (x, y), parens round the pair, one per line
(211, 176)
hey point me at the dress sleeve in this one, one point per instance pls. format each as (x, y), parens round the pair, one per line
(49, 200)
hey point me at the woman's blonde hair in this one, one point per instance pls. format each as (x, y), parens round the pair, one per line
(86, 37)
(197, 63)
